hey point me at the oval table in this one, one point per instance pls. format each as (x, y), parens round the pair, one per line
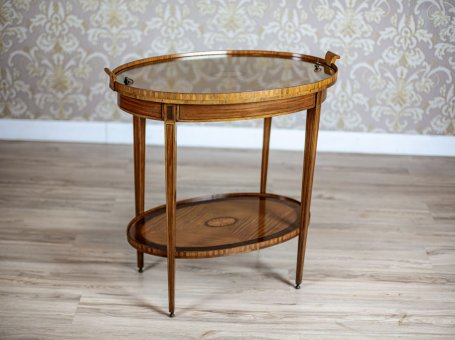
(220, 86)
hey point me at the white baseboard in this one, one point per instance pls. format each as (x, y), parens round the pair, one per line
(227, 137)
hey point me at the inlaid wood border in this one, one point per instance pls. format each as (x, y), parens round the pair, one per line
(214, 113)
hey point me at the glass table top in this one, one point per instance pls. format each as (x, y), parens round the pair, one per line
(224, 74)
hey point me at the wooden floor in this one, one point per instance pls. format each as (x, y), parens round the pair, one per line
(380, 254)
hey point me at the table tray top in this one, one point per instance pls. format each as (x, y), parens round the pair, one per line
(224, 77)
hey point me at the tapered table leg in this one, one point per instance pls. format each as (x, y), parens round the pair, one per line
(265, 153)
(311, 137)
(139, 174)
(171, 162)
(264, 170)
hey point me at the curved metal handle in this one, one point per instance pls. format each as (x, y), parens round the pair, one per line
(330, 58)
(108, 71)
(112, 78)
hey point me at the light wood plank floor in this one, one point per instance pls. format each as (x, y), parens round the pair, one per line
(380, 256)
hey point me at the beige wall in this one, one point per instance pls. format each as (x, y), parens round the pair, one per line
(396, 72)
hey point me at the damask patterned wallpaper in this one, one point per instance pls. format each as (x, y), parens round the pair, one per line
(396, 71)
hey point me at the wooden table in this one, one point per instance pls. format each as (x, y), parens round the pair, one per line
(212, 87)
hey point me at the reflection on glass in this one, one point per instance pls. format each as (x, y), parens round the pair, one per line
(223, 74)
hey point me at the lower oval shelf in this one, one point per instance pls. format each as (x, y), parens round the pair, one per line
(218, 225)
